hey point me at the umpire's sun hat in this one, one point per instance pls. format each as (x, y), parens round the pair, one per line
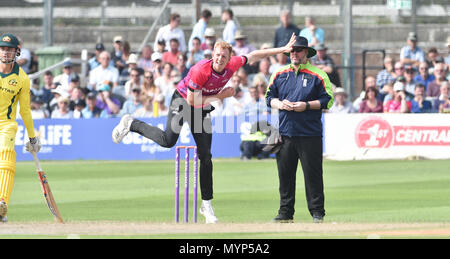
(9, 40)
(302, 42)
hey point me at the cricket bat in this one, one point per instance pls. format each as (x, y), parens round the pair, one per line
(46, 191)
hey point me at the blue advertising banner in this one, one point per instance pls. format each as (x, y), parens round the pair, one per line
(90, 139)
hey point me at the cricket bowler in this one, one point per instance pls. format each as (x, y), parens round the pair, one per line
(191, 102)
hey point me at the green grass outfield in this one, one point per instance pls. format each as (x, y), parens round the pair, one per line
(356, 192)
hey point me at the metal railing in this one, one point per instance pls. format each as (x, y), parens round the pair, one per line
(83, 62)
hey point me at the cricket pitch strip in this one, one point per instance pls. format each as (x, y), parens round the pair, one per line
(238, 230)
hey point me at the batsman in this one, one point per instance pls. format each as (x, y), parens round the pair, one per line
(14, 88)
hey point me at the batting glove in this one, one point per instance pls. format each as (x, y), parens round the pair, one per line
(34, 145)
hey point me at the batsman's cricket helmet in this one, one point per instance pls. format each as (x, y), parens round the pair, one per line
(9, 40)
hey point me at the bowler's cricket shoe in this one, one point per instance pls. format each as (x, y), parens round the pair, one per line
(207, 211)
(317, 218)
(280, 218)
(3, 211)
(122, 129)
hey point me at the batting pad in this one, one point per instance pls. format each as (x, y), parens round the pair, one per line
(7, 173)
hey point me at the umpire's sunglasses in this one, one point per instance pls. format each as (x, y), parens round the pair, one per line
(297, 50)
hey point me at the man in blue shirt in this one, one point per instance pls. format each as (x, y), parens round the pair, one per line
(199, 28)
(312, 33)
(300, 91)
(411, 54)
(419, 104)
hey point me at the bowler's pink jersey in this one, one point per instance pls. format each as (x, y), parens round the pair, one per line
(202, 77)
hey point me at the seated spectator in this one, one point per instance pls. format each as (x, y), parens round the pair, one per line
(157, 63)
(244, 80)
(103, 73)
(46, 88)
(38, 110)
(444, 95)
(412, 54)
(445, 106)
(256, 106)
(210, 39)
(196, 53)
(116, 53)
(76, 95)
(65, 78)
(398, 104)
(131, 64)
(146, 111)
(160, 47)
(424, 77)
(95, 61)
(368, 82)
(63, 111)
(281, 61)
(234, 105)
(145, 61)
(326, 63)
(242, 47)
(371, 104)
(251, 144)
(159, 104)
(109, 105)
(176, 78)
(135, 81)
(133, 103)
(432, 59)
(419, 104)
(433, 90)
(386, 76)
(207, 54)
(171, 55)
(91, 110)
(79, 105)
(165, 82)
(148, 86)
(57, 93)
(447, 59)
(341, 104)
(263, 70)
(181, 67)
(121, 63)
(410, 84)
(262, 89)
(74, 83)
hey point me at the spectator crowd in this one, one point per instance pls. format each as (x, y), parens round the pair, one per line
(122, 81)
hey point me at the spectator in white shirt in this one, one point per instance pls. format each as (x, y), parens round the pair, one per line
(103, 72)
(171, 31)
(66, 77)
(63, 111)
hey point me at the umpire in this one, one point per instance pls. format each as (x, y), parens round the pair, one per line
(300, 91)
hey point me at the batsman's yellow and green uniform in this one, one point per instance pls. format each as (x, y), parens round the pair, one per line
(14, 88)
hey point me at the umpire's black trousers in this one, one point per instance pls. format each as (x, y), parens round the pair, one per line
(309, 151)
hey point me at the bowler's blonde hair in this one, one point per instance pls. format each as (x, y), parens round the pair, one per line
(223, 45)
